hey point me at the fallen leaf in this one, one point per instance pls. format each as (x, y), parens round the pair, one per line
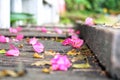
(46, 70)
(50, 52)
(2, 51)
(20, 46)
(36, 55)
(72, 52)
(41, 63)
(78, 57)
(81, 66)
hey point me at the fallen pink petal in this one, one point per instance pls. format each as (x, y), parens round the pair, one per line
(89, 21)
(13, 51)
(33, 41)
(57, 30)
(60, 62)
(19, 37)
(43, 29)
(4, 39)
(38, 47)
(13, 30)
(66, 42)
(19, 29)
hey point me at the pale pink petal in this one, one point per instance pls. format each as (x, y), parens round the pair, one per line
(38, 47)
(33, 41)
(89, 21)
(19, 29)
(19, 37)
(7, 39)
(12, 52)
(57, 30)
(13, 30)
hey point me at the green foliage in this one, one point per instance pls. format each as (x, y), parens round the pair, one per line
(25, 17)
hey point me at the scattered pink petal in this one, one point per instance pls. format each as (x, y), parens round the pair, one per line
(4, 39)
(66, 41)
(19, 37)
(77, 43)
(57, 30)
(13, 30)
(38, 28)
(38, 47)
(71, 31)
(89, 21)
(44, 30)
(13, 51)
(19, 29)
(74, 41)
(33, 41)
(60, 62)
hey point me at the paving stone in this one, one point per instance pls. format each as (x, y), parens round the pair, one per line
(104, 42)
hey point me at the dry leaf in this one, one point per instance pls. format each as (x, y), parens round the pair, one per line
(46, 70)
(2, 51)
(41, 63)
(72, 52)
(20, 46)
(82, 66)
(78, 57)
(50, 52)
(36, 55)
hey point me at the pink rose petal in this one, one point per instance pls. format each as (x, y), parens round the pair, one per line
(4, 39)
(38, 47)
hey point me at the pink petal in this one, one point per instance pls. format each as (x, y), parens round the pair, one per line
(38, 47)
(2, 39)
(57, 30)
(60, 62)
(19, 37)
(19, 29)
(89, 21)
(13, 30)
(12, 52)
(66, 41)
(77, 43)
(43, 29)
(33, 41)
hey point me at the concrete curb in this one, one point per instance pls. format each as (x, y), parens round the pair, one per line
(105, 43)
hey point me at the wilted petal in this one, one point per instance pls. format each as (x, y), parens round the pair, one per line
(33, 41)
(19, 37)
(89, 21)
(57, 30)
(38, 47)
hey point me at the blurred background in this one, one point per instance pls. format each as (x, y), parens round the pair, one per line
(41, 12)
